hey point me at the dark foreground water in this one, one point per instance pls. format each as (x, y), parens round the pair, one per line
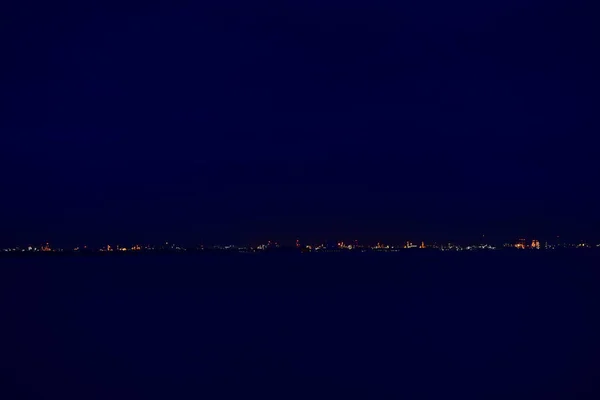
(420, 325)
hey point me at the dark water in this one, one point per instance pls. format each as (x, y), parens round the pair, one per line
(421, 325)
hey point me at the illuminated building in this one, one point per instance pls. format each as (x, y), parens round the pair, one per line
(520, 244)
(342, 245)
(535, 244)
(46, 247)
(422, 245)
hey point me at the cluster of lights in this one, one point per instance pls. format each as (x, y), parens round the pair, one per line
(268, 245)
(109, 248)
(535, 245)
(32, 249)
(520, 244)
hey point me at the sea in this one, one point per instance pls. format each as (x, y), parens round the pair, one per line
(413, 325)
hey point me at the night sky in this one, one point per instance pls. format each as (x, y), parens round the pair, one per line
(246, 121)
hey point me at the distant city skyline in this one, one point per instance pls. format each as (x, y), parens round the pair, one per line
(521, 243)
(290, 239)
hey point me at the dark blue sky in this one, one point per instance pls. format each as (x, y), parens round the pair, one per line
(242, 121)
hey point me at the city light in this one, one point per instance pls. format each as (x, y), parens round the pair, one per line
(521, 244)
